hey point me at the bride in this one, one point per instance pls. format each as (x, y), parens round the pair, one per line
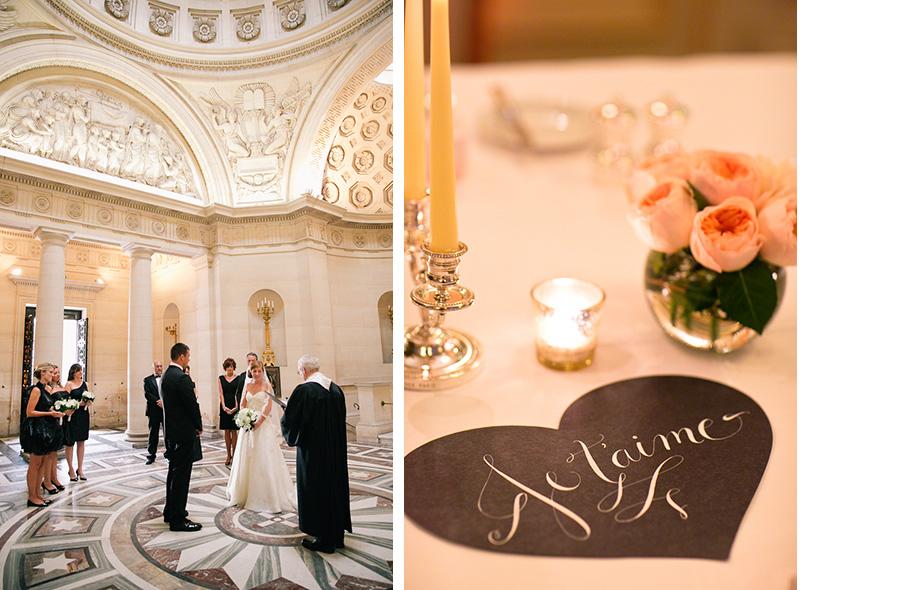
(259, 479)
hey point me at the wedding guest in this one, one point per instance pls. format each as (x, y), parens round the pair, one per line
(251, 358)
(41, 434)
(315, 422)
(154, 411)
(228, 402)
(77, 426)
(50, 483)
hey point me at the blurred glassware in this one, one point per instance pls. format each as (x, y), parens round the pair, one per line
(537, 126)
(667, 119)
(614, 125)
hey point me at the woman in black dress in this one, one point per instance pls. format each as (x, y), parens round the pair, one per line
(76, 427)
(57, 392)
(41, 434)
(228, 405)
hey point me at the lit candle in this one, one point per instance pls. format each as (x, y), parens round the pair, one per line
(414, 99)
(567, 313)
(444, 237)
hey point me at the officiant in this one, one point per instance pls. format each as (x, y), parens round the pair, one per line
(315, 422)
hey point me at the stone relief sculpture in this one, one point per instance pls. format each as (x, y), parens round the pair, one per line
(91, 130)
(205, 28)
(293, 14)
(162, 21)
(256, 128)
(335, 4)
(8, 16)
(247, 26)
(117, 8)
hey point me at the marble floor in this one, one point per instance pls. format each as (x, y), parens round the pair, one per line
(108, 533)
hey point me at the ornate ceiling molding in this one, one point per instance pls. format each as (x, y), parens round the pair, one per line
(312, 43)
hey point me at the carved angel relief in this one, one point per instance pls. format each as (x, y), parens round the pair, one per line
(256, 128)
(89, 129)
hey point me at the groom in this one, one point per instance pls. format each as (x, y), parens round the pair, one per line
(181, 419)
(315, 422)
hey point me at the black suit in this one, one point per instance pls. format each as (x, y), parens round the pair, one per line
(154, 413)
(182, 424)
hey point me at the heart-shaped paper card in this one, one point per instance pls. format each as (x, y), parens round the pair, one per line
(660, 466)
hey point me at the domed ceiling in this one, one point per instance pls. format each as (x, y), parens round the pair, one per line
(224, 107)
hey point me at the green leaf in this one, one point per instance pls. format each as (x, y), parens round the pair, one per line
(749, 296)
(699, 198)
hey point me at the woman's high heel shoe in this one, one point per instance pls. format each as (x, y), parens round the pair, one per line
(48, 490)
(82, 477)
(35, 505)
(59, 486)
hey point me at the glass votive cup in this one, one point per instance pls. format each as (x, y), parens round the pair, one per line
(567, 314)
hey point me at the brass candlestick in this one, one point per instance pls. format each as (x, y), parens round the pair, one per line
(434, 356)
(266, 309)
(173, 331)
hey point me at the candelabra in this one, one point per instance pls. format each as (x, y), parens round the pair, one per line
(172, 330)
(265, 308)
(435, 356)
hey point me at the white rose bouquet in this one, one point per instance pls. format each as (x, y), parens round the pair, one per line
(88, 397)
(65, 405)
(720, 226)
(246, 418)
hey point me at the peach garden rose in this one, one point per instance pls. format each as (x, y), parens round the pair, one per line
(663, 217)
(720, 175)
(778, 226)
(726, 237)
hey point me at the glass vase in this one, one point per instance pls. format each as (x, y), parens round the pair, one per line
(707, 329)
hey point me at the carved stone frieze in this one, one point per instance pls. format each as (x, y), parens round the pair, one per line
(335, 4)
(90, 129)
(130, 221)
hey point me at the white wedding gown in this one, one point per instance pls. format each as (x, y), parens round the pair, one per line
(259, 479)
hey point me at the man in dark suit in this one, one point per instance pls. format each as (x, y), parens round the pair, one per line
(183, 427)
(251, 356)
(154, 409)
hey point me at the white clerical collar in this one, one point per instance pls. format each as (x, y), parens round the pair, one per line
(319, 378)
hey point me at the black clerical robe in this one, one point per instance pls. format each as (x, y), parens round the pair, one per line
(315, 422)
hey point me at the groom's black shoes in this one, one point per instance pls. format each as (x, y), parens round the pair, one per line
(317, 545)
(150, 459)
(186, 526)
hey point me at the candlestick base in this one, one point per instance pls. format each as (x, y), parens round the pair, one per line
(436, 358)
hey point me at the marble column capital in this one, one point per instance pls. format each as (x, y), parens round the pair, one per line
(135, 250)
(52, 236)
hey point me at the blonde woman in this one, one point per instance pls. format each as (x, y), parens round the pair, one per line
(41, 434)
(50, 482)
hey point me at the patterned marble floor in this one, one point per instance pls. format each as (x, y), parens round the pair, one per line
(107, 533)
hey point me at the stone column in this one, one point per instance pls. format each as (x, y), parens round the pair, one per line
(316, 325)
(140, 340)
(204, 363)
(48, 335)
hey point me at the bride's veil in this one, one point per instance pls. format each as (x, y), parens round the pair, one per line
(276, 412)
